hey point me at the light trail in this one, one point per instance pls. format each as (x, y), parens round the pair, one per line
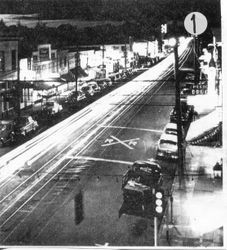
(100, 115)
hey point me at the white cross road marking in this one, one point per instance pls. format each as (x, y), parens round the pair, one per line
(113, 143)
(133, 143)
(108, 140)
(123, 142)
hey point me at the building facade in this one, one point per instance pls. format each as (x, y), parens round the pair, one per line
(8, 73)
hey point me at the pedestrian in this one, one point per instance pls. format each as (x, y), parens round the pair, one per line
(167, 237)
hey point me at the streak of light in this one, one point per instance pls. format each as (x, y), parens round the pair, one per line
(99, 159)
(139, 129)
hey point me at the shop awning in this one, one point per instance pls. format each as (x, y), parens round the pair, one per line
(79, 71)
(68, 77)
(204, 127)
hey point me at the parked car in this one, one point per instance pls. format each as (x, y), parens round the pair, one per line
(102, 84)
(171, 129)
(187, 113)
(167, 147)
(88, 90)
(96, 88)
(25, 124)
(140, 179)
(53, 107)
(75, 99)
(7, 133)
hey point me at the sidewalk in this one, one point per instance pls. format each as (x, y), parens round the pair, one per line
(197, 207)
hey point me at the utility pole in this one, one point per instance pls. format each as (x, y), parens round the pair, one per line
(18, 87)
(155, 223)
(77, 65)
(178, 115)
(196, 65)
(103, 55)
(125, 56)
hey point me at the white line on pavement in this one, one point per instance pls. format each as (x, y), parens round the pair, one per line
(141, 129)
(99, 159)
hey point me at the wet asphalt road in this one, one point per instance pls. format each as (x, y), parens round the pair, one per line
(45, 212)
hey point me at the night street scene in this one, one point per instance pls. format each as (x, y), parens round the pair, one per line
(112, 133)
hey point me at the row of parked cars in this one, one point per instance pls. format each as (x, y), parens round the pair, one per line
(19, 127)
(167, 145)
(88, 90)
(10, 130)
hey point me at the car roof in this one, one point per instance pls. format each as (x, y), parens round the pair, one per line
(147, 162)
(171, 125)
(169, 137)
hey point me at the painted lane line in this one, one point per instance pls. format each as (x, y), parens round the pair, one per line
(99, 159)
(140, 129)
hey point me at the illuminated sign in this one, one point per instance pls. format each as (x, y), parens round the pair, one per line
(44, 52)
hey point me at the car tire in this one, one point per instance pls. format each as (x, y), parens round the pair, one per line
(1, 143)
(12, 138)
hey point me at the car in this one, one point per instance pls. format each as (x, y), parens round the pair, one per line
(167, 147)
(25, 124)
(96, 88)
(53, 107)
(102, 84)
(88, 90)
(75, 97)
(171, 128)
(140, 180)
(187, 113)
(7, 133)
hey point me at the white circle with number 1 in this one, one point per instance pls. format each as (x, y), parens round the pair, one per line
(195, 23)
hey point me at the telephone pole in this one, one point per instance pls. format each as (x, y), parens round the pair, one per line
(77, 70)
(178, 115)
(18, 87)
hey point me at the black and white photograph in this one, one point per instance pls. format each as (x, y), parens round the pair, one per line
(112, 125)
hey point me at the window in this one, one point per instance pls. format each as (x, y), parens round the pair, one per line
(29, 64)
(53, 56)
(14, 59)
(2, 61)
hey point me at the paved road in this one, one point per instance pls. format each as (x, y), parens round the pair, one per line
(89, 151)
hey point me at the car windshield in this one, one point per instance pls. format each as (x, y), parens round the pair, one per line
(168, 145)
(50, 104)
(168, 142)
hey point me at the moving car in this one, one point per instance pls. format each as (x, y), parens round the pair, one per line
(167, 147)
